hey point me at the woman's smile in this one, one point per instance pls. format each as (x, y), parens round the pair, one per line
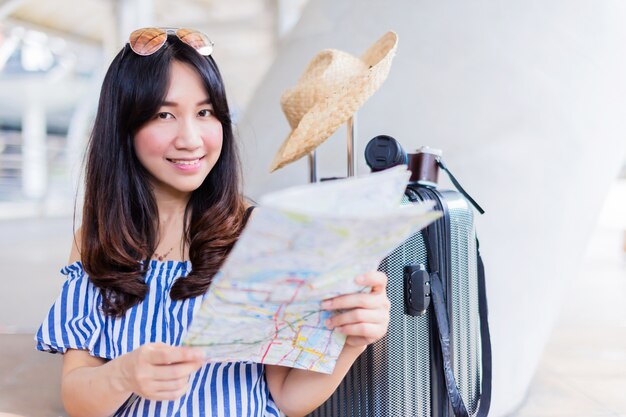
(186, 164)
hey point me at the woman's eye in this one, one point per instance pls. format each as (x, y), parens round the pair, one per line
(205, 113)
(164, 115)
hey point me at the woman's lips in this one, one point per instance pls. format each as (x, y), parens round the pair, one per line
(186, 164)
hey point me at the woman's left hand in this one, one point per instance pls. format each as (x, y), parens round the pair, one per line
(365, 315)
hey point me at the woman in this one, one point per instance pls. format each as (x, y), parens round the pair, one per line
(162, 210)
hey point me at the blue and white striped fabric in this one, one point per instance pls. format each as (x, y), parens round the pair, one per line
(76, 321)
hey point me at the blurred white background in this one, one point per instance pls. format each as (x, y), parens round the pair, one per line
(526, 98)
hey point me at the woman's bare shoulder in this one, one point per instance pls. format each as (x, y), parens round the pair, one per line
(76, 246)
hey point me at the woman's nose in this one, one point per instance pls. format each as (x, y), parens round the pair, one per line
(188, 136)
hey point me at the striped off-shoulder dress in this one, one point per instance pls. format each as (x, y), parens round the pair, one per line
(76, 321)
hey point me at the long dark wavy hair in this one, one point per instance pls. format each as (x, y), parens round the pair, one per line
(120, 218)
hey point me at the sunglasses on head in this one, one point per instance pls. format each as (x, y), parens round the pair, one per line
(147, 41)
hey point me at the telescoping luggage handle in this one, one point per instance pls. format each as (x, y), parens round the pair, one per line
(351, 154)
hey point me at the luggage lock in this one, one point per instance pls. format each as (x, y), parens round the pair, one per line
(416, 290)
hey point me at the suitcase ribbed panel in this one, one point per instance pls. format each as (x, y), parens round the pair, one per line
(392, 377)
(408, 338)
(465, 323)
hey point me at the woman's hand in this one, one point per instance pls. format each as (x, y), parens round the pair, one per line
(365, 316)
(157, 371)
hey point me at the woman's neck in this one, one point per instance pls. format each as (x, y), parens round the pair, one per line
(171, 226)
(170, 206)
(170, 212)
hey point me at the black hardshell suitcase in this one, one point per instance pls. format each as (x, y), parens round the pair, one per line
(433, 362)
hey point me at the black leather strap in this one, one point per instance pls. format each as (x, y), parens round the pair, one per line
(439, 303)
(438, 298)
(443, 328)
(485, 339)
(458, 187)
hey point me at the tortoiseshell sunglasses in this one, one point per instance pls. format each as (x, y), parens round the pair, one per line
(147, 41)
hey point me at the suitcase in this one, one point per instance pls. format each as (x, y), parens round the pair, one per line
(435, 360)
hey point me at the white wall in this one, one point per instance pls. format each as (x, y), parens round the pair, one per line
(526, 98)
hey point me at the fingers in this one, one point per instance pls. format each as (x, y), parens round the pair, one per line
(357, 315)
(364, 316)
(358, 300)
(171, 384)
(171, 395)
(169, 390)
(376, 280)
(161, 372)
(175, 371)
(369, 325)
(167, 363)
(162, 354)
(368, 331)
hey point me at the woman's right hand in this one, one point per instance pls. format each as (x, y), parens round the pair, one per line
(157, 371)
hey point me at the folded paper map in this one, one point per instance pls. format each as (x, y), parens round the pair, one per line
(301, 246)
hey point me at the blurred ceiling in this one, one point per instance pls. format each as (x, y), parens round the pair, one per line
(53, 53)
(86, 20)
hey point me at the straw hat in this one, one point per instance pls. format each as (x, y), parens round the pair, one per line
(334, 85)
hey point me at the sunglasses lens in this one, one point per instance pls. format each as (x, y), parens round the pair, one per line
(197, 40)
(147, 41)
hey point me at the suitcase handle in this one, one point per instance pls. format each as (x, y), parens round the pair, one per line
(351, 143)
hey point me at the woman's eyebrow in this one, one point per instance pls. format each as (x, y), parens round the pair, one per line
(174, 104)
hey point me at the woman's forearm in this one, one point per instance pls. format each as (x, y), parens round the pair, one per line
(303, 391)
(94, 391)
(156, 371)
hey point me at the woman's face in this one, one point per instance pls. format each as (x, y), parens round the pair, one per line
(182, 142)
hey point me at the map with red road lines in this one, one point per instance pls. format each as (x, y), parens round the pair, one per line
(303, 245)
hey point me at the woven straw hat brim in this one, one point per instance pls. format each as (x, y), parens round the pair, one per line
(316, 111)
